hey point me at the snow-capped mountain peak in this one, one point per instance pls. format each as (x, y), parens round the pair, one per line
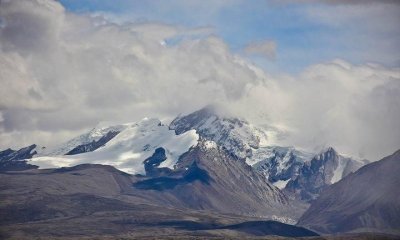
(234, 134)
(127, 150)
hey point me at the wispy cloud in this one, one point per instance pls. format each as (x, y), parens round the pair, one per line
(307, 32)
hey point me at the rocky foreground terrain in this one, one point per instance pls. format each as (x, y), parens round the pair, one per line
(99, 201)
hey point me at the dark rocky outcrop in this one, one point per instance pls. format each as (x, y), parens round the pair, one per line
(151, 164)
(90, 147)
(16, 160)
(281, 163)
(193, 173)
(314, 175)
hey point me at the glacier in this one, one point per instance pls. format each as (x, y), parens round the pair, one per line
(127, 150)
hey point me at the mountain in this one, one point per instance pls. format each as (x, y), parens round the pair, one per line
(366, 200)
(98, 202)
(301, 174)
(129, 147)
(182, 170)
(152, 149)
(126, 150)
(236, 135)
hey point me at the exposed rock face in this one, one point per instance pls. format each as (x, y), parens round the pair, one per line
(95, 144)
(323, 170)
(367, 200)
(151, 164)
(314, 175)
(278, 163)
(87, 142)
(14, 160)
(300, 174)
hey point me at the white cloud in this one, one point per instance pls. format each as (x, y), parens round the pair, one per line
(62, 73)
(352, 107)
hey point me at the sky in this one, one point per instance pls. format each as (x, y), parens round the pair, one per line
(327, 73)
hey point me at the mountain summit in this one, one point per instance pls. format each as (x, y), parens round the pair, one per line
(234, 134)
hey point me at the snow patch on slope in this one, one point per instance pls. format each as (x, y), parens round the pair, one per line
(265, 153)
(338, 173)
(127, 151)
(346, 165)
(210, 145)
(281, 184)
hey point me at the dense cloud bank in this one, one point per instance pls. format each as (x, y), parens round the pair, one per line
(61, 73)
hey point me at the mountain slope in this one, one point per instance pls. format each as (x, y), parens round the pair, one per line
(126, 150)
(367, 200)
(208, 177)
